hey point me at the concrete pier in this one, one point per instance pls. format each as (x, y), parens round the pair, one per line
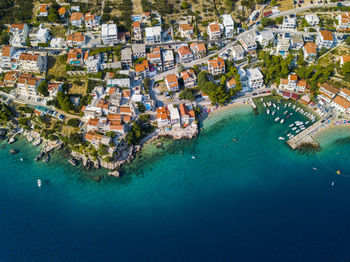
(304, 136)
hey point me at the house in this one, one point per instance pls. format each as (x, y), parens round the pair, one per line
(62, 12)
(327, 92)
(155, 57)
(283, 45)
(44, 10)
(75, 57)
(139, 50)
(289, 22)
(174, 114)
(10, 78)
(186, 30)
(189, 78)
(185, 117)
(198, 49)
(310, 51)
(325, 39)
(229, 25)
(343, 21)
(142, 69)
(290, 83)
(214, 31)
(76, 39)
(35, 63)
(97, 139)
(312, 19)
(93, 63)
(120, 82)
(216, 66)
(54, 87)
(6, 56)
(237, 53)
(19, 34)
(185, 54)
(265, 37)
(27, 85)
(168, 60)
(344, 59)
(58, 43)
(136, 28)
(91, 21)
(255, 78)
(341, 104)
(40, 35)
(76, 19)
(305, 99)
(163, 119)
(301, 86)
(126, 57)
(345, 92)
(297, 42)
(153, 34)
(172, 82)
(248, 42)
(109, 34)
(231, 83)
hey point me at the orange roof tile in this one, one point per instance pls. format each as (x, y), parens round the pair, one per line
(342, 102)
(186, 27)
(28, 57)
(6, 49)
(19, 26)
(346, 58)
(114, 117)
(76, 16)
(232, 82)
(183, 110)
(327, 35)
(162, 113)
(346, 91)
(184, 50)
(293, 77)
(125, 110)
(93, 122)
(216, 63)
(214, 28)
(62, 10)
(310, 48)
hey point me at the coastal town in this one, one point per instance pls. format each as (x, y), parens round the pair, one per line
(102, 79)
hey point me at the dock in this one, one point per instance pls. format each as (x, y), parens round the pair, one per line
(304, 136)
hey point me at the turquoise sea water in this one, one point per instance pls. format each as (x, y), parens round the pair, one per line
(252, 200)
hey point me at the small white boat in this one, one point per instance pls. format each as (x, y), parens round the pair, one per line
(273, 112)
(332, 183)
(285, 105)
(276, 119)
(289, 104)
(298, 131)
(282, 121)
(314, 168)
(274, 105)
(297, 109)
(193, 157)
(291, 136)
(291, 114)
(294, 107)
(262, 99)
(307, 122)
(303, 128)
(285, 112)
(294, 128)
(278, 108)
(39, 183)
(281, 138)
(291, 125)
(268, 111)
(21, 159)
(264, 104)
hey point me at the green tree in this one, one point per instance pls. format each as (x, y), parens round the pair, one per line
(187, 94)
(53, 15)
(74, 122)
(42, 88)
(141, 107)
(64, 101)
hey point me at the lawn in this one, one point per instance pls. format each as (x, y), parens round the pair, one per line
(56, 66)
(78, 87)
(58, 31)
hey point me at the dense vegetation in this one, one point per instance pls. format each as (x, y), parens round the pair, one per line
(15, 11)
(139, 129)
(6, 113)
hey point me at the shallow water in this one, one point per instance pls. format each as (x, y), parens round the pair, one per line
(251, 200)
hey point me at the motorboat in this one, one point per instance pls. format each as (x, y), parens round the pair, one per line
(291, 125)
(285, 112)
(281, 138)
(276, 119)
(268, 111)
(39, 183)
(294, 128)
(264, 104)
(293, 107)
(298, 131)
(273, 112)
(282, 121)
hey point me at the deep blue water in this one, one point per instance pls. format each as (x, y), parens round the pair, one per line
(252, 200)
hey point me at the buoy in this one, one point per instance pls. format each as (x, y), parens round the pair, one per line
(338, 172)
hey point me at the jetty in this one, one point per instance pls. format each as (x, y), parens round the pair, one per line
(305, 136)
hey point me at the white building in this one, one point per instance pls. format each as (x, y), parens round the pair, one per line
(255, 78)
(168, 60)
(265, 37)
(109, 34)
(41, 36)
(121, 82)
(229, 25)
(19, 34)
(138, 50)
(35, 63)
(91, 21)
(58, 43)
(76, 19)
(248, 42)
(312, 19)
(343, 21)
(175, 118)
(93, 63)
(341, 104)
(237, 53)
(153, 34)
(325, 39)
(289, 22)
(215, 30)
(27, 86)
